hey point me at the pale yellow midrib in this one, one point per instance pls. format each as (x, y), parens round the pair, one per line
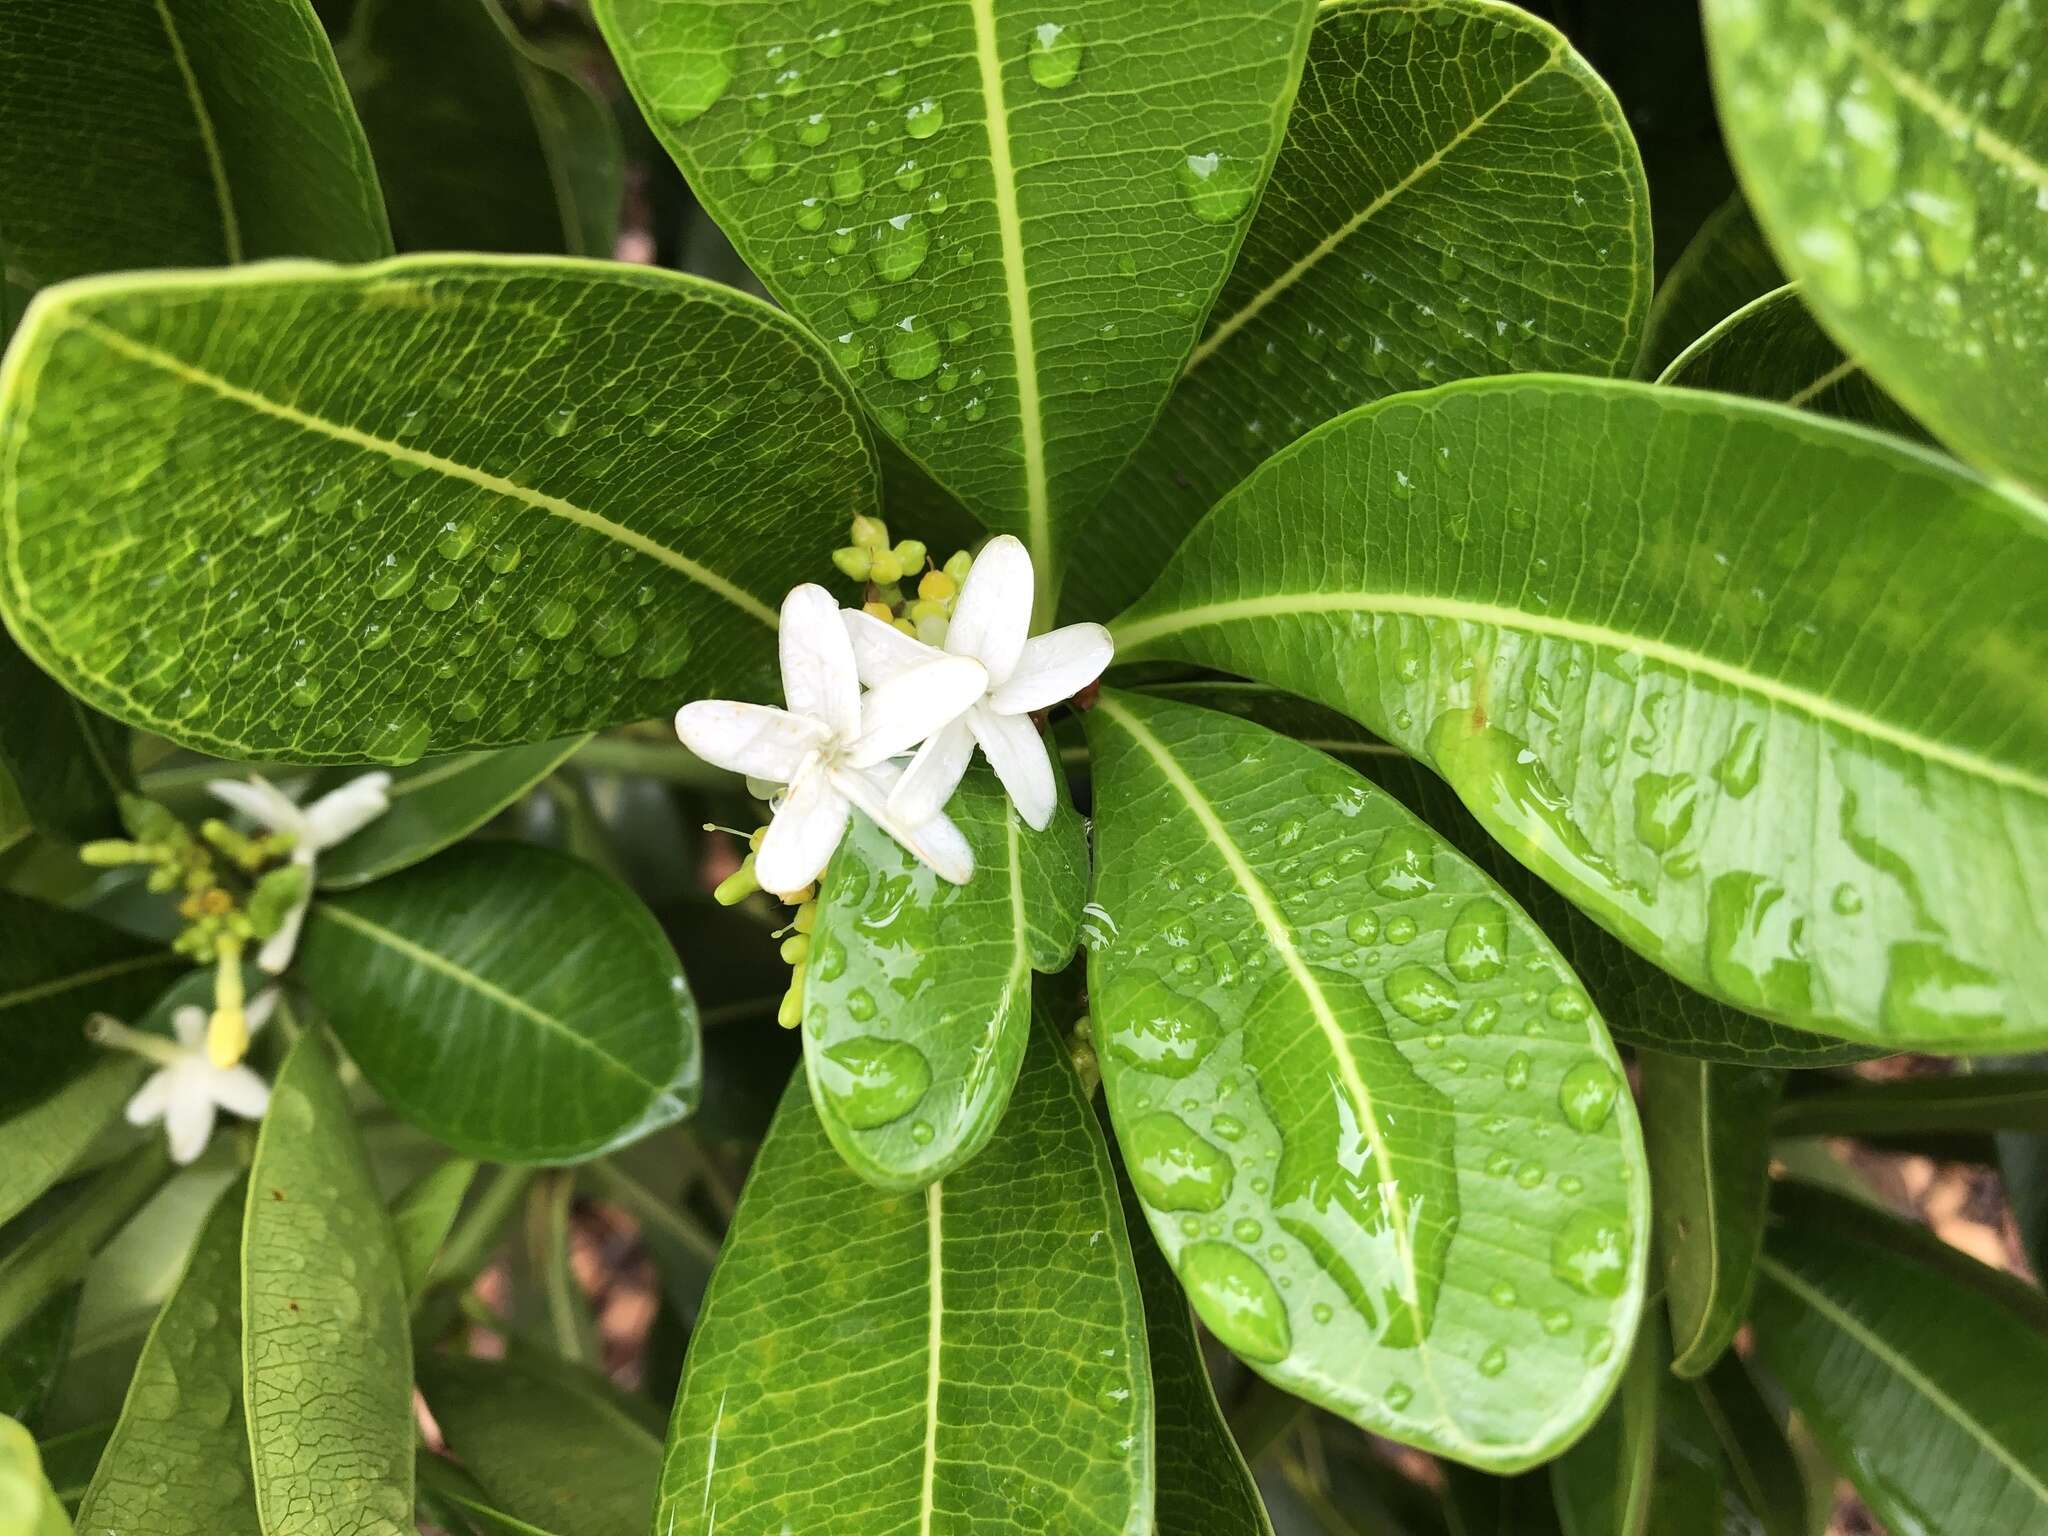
(1853, 1327)
(540, 501)
(1024, 345)
(216, 163)
(85, 978)
(1826, 381)
(1237, 321)
(935, 1259)
(1300, 604)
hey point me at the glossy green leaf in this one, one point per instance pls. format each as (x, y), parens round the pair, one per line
(547, 1447)
(917, 996)
(422, 1215)
(1204, 1487)
(1642, 1004)
(28, 1504)
(484, 142)
(178, 1461)
(175, 133)
(1709, 1137)
(1689, 658)
(1722, 268)
(435, 804)
(454, 1500)
(1458, 195)
(41, 1142)
(515, 1003)
(1378, 1128)
(1917, 1368)
(578, 490)
(877, 1364)
(1773, 349)
(1990, 1101)
(1606, 1484)
(1479, 1505)
(1762, 1468)
(326, 1355)
(1898, 157)
(1014, 260)
(32, 1356)
(57, 969)
(60, 762)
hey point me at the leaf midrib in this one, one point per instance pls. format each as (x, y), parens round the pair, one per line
(541, 501)
(85, 978)
(1129, 635)
(935, 1259)
(216, 163)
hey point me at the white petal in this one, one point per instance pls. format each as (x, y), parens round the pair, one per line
(345, 811)
(151, 1099)
(277, 950)
(260, 1008)
(754, 739)
(936, 842)
(188, 1121)
(993, 614)
(239, 1091)
(262, 802)
(189, 1025)
(928, 783)
(904, 711)
(1053, 668)
(807, 827)
(819, 679)
(882, 651)
(1015, 750)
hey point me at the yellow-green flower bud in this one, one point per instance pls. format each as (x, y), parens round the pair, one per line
(737, 886)
(806, 917)
(925, 608)
(870, 533)
(958, 567)
(885, 568)
(796, 948)
(791, 1013)
(910, 554)
(880, 611)
(227, 1032)
(853, 560)
(907, 627)
(109, 851)
(937, 587)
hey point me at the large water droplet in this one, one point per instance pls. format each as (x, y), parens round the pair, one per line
(871, 1081)
(1054, 55)
(553, 618)
(1218, 188)
(1404, 863)
(1590, 1252)
(898, 247)
(696, 52)
(1476, 944)
(1587, 1094)
(393, 577)
(911, 349)
(613, 633)
(399, 738)
(1664, 809)
(758, 160)
(1238, 1301)
(1421, 994)
(924, 118)
(1155, 1028)
(1756, 945)
(1742, 762)
(1931, 993)
(1172, 1168)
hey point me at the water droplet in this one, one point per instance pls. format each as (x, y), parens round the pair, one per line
(849, 181)
(1476, 944)
(1529, 1174)
(1930, 993)
(1173, 1168)
(1422, 994)
(440, 595)
(871, 1081)
(1664, 809)
(1237, 1300)
(1400, 929)
(1218, 188)
(696, 54)
(1493, 1362)
(1404, 864)
(898, 247)
(504, 558)
(924, 118)
(759, 160)
(814, 129)
(1944, 210)
(1756, 945)
(1503, 1293)
(1590, 1252)
(921, 1132)
(456, 540)
(1516, 1073)
(393, 577)
(306, 692)
(1363, 928)
(1054, 55)
(560, 421)
(553, 618)
(1587, 1095)
(1556, 1321)
(1247, 1231)
(1742, 763)
(860, 1004)
(399, 738)
(830, 43)
(613, 634)
(911, 350)
(1568, 1005)
(1399, 1395)
(1485, 1015)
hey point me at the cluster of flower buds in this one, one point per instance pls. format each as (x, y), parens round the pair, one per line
(903, 589)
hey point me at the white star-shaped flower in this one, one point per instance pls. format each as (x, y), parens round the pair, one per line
(831, 746)
(187, 1091)
(991, 622)
(331, 819)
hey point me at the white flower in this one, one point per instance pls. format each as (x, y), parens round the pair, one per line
(187, 1090)
(991, 621)
(831, 747)
(332, 818)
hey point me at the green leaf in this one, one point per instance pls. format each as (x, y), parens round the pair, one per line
(1204, 1486)
(63, 763)
(34, 1353)
(326, 1355)
(435, 804)
(70, 1458)
(1710, 1150)
(1761, 1465)
(1991, 1101)
(421, 1217)
(28, 1503)
(57, 969)
(1642, 1004)
(515, 1003)
(1634, 628)
(917, 996)
(546, 1446)
(484, 142)
(178, 1461)
(1725, 265)
(450, 1495)
(1014, 260)
(1606, 1484)
(972, 1354)
(1897, 156)
(1479, 1505)
(1458, 195)
(1918, 1369)
(1309, 1008)
(1773, 349)
(40, 1143)
(565, 483)
(175, 133)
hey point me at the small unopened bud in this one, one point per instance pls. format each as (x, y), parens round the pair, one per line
(853, 560)
(109, 851)
(910, 555)
(937, 587)
(885, 568)
(791, 1013)
(870, 533)
(880, 611)
(907, 627)
(796, 948)
(737, 886)
(806, 919)
(958, 567)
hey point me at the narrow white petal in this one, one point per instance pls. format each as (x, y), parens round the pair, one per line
(345, 811)
(753, 739)
(928, 783)
(1015, 750)
(260, 1007)
(807, 827)
(993, 614)
(277, 950)
(239, 1091)
(189, 1025)
(904, 711)
(151, 1099)
(188, 1120)
(936, 842)
(881, 651)
(262, 802)
(819, 678)
(1054, 668)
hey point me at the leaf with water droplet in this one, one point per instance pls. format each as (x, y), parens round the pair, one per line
(918, 994)
(1332, 1154)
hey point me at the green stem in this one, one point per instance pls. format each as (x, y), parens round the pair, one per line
(570, 1329)
(56, 1255)
(476, 1235)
